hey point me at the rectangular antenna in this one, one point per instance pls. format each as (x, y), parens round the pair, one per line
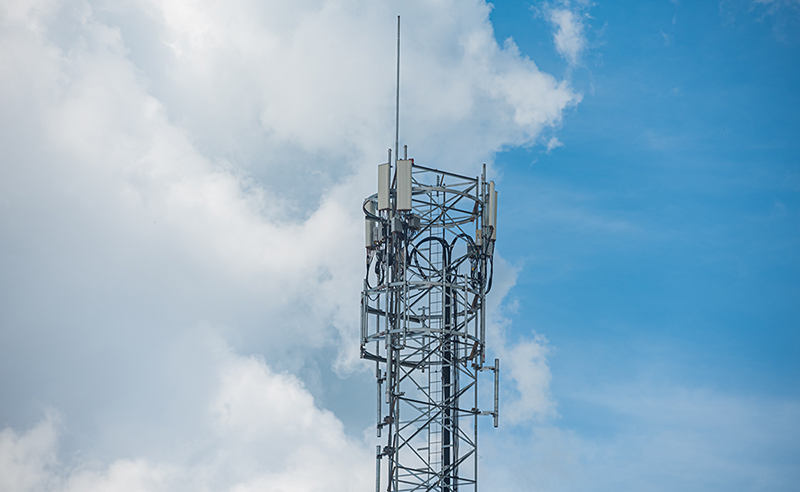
(491, 216)
(369, 225)
(384, 176)
(404, 184)
(494, 215)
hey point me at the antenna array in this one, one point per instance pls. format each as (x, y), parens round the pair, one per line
(430, 238)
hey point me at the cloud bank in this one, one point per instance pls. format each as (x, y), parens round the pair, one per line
(180, 189)
(262, 431)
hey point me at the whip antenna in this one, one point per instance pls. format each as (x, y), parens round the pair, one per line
(397, 99)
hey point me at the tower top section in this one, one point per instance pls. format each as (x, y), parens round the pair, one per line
(429, 238)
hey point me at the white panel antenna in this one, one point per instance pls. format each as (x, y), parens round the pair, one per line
(404, 185)
(384, 177)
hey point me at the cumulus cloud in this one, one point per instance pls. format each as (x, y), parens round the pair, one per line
(26, 458)
(261, 431)
(175, 172)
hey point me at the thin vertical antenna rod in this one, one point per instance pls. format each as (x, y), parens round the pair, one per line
(397, 100)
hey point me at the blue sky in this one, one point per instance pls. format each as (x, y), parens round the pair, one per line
(658, 248)
(180, 237)
(679, 172)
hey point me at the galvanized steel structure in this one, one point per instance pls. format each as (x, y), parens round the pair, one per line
(430, 238)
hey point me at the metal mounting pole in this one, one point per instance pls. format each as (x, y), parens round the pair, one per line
(377, 468)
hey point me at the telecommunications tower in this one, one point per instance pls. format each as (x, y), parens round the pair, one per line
(430, 238)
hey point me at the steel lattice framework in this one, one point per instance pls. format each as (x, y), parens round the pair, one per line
(430, 239)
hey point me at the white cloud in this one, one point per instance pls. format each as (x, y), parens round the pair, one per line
(24, 459)
(120, 476)
(151, 152)
(569, 36)
(529, 368)
(553, 143)
(262, 431)
(174, 166)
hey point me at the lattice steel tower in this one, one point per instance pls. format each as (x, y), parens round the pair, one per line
(430, 238)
